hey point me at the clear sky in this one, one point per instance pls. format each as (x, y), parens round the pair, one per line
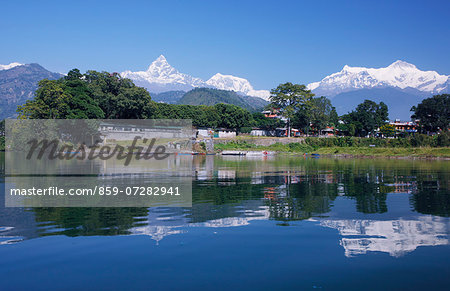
(266, 42)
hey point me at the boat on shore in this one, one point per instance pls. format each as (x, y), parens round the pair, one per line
(247, 153)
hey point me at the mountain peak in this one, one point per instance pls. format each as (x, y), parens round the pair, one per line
(10, 66)
(160, 64)
(237, 84)
(161, 58)
(161, 76)
(399, 74)
(402, 65)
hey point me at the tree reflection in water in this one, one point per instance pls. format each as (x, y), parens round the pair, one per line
(232, 192)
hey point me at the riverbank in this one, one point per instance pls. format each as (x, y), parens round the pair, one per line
(357, 151)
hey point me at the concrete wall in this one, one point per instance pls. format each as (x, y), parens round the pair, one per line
(130, 135)
(258, 132)
(227, 134)
(264, 141)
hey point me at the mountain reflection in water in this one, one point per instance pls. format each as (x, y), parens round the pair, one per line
(390, 206)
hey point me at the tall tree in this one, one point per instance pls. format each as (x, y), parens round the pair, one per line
(92, 95)
(367, 117)
(289, 98)
(67, 98)
(119, 98)
(433, 113)
(320, 113)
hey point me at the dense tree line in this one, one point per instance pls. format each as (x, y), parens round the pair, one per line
(304, 111)
(98, 95)
(91, 95)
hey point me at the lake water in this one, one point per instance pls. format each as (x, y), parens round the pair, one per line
(255, 223)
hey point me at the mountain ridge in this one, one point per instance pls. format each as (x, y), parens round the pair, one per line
(212, 96)
(399, 74)
(160, 77)
(18, 84)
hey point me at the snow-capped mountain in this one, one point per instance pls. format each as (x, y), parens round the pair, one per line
(400, 75)
(10, 66)
(396, 237)
(400, 86)
(232, 83)
(161, 76)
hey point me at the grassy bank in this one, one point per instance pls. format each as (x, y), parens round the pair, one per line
(301, 148)
(386, 152)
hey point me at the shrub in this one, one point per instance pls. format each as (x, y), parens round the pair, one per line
(419, 140)
(245, 129)
(443, 139)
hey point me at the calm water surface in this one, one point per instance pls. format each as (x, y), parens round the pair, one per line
(284, 222)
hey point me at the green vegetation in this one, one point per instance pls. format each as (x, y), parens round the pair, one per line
(209, 96)
(434, 113)
(294, 147)
(302, 148)
(318, 114)
(418, 145)
(367, 117)
(263, 122)
(104, 95)
(90, 95)
(289, 98)
(387, 130)
(219, 115)
(418, 140)
(386, 152)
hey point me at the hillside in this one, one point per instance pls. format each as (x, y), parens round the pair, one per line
(17, 85)
(399, 102)
(208, 96)
(169, 97)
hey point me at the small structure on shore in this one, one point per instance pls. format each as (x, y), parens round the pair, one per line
(225, 133)
(258, 132)
(203, 132)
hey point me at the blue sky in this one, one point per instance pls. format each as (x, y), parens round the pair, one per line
(267, 42)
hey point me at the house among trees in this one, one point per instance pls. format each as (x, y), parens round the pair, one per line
(404, 126)
(273, 113)
(328, 131)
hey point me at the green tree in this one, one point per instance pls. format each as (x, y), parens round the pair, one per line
(88, 96)
(232, 116)
(289, 98)
(119, 98)
(263, 122)
(367, 117)
(433, 113)
(66, 98)
(320, 113)
(387, 130)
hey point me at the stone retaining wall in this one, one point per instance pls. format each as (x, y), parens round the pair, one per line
(262, 141)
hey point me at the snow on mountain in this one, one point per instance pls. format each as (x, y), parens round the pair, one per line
(395, 237)
(399, 74)
(161, 76)
(232, 83)
(10, 66)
